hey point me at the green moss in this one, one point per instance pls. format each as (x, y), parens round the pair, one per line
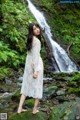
(29, 102)
(28, 116)
(16, 96)
(4, 72)
(65, 111)
(72, 83)
(76, 77)
(74, 90)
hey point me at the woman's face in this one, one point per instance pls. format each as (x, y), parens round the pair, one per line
(36, 30)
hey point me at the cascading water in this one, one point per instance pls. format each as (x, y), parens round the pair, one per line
(63, 61)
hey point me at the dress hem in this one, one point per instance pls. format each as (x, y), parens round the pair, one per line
(30, 96)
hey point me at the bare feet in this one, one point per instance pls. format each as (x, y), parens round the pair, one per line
(35, 110)
(20, 110)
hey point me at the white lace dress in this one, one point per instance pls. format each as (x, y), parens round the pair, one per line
(30, 86)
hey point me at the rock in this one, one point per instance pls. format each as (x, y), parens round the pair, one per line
(16, 96)
(29, 102)
(78, 112)
(61, 98)
(9, 82)
(2, 90)
(4, 104)
(55, 102)
(67, 78)
(6, 94)
(49, 91)
(72, 84)
(19, 84)
(65, 111)
(29, 116)
(47, 78)
(20, 79)
(60, 92)
(1, 106)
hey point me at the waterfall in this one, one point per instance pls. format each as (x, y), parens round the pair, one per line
(62, 59)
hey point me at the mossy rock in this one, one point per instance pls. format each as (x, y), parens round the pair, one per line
(66, 111)
(74, 90)
(16, 96)
(29, 102)
(72, 83)
(76, 77)
(49, 91)
(28, 116)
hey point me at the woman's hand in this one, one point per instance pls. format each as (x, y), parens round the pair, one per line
(35, 75)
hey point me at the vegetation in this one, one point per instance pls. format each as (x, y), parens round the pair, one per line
(15, 18)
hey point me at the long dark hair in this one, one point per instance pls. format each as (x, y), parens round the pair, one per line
(30, 35)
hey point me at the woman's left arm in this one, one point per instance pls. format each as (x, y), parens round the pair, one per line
(36, 55)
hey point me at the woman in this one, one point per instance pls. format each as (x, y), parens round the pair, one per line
(32, 85)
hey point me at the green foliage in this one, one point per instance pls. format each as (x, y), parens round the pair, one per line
(8, 57)
(43, 54)
(75, 77)
(13, 30)
(74, 84)
(15, 22)
(4, 72)
(74, 90)
(29, 102)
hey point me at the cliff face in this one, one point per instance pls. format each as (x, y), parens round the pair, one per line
(64, 20)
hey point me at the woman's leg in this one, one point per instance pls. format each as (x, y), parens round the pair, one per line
(35, 109)
(21, 103)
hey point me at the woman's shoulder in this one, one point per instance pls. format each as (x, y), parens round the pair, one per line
(36, 40)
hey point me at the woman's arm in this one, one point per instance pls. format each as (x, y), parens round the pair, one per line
(36, 54)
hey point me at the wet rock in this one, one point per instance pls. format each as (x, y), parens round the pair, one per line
(65, 111)
(20, 79)
(67, 78)
(19, 84)
(4, 95)
(55, 102)
(9, 82)
(47, 78)
(7, 94)
(78, 112)
(61, 98)
(60, 92)
(1, 90)
(4, 104)
(49, 91)
(15, 97)
(1, 106)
